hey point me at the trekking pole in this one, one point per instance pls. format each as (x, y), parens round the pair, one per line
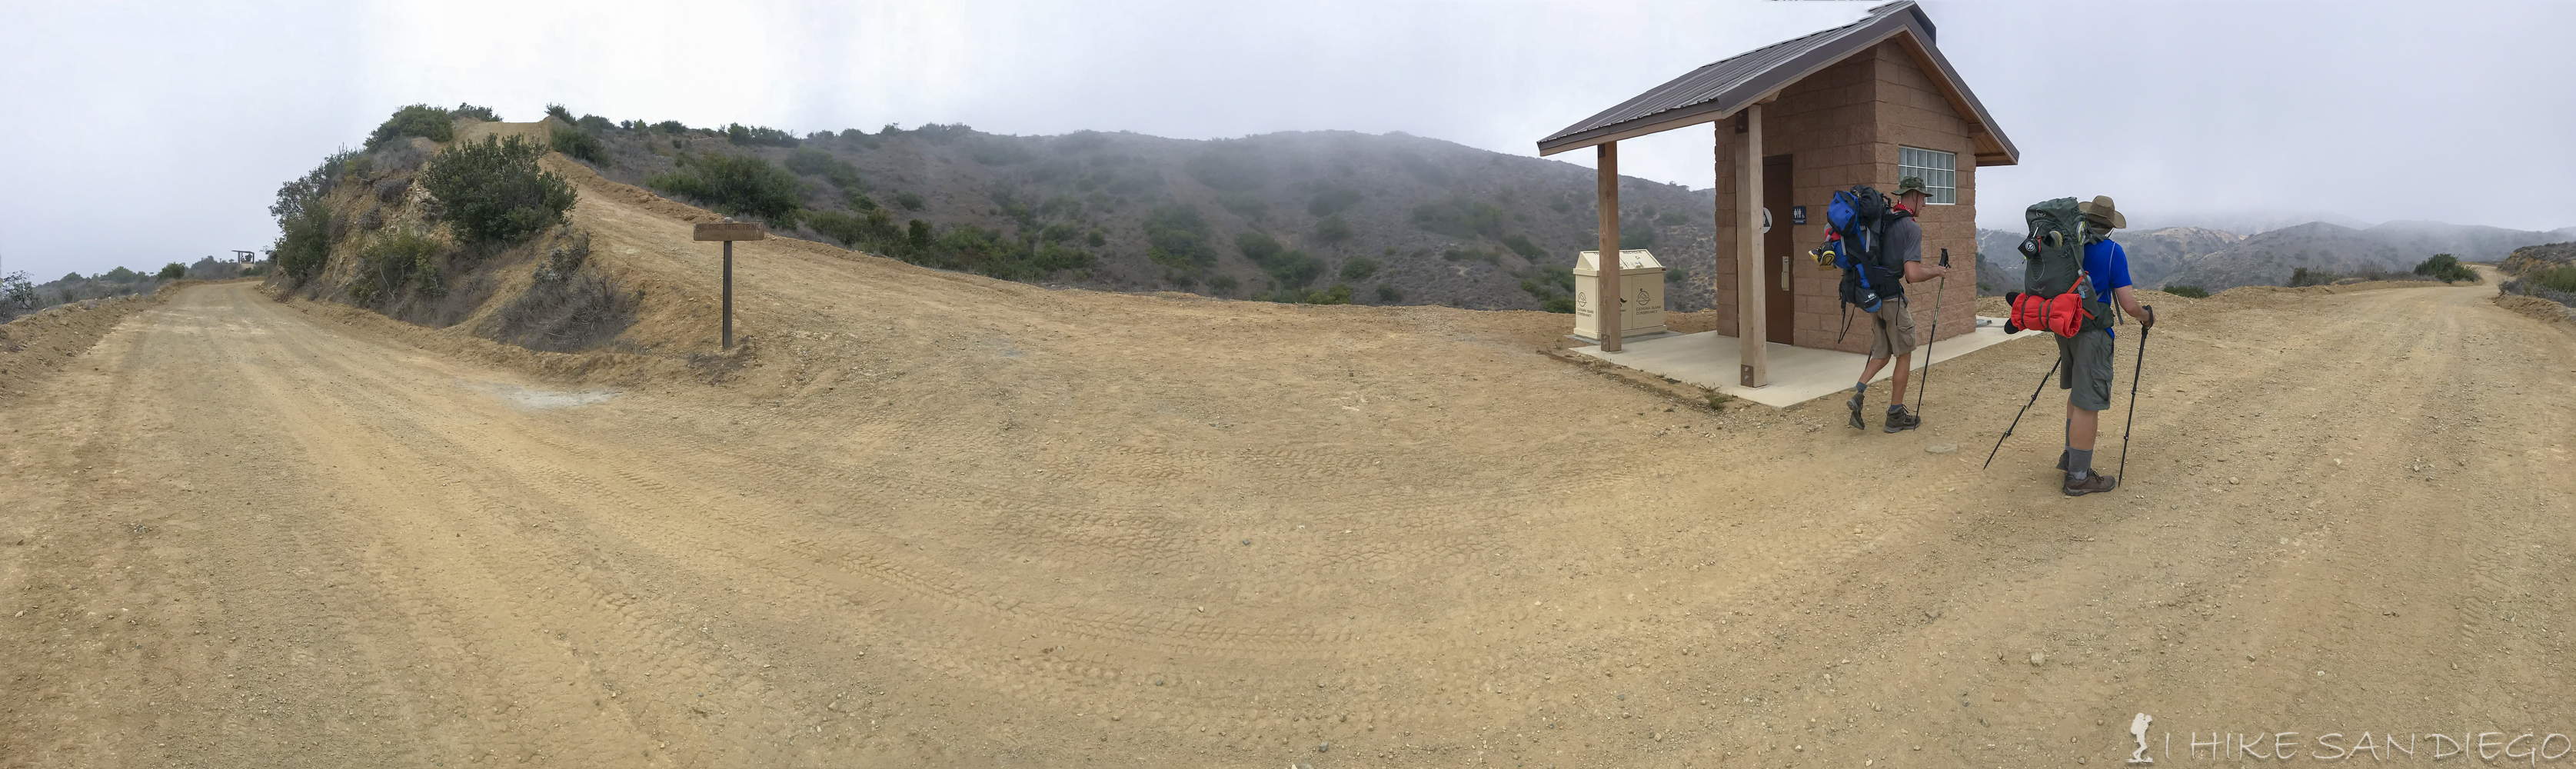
(2140, 371)
(1925, 384)
(2025, 409)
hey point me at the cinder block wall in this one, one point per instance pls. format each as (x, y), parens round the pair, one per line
(1842, 126)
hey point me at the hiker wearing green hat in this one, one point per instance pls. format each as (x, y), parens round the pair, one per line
(1892, 327)
(2085, 358)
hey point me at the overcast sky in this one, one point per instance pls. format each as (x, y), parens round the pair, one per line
(144, 133)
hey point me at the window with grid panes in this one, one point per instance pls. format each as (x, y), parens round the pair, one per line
(1940, 172)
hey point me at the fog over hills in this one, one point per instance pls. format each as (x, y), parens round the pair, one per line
(1338, 215)
(1399, 219)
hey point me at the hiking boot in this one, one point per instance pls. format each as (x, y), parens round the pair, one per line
(2092, 483)
(1899, 420)
(1854, 403)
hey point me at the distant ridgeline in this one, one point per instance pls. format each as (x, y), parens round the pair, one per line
(2312, 253)
(1318, 217)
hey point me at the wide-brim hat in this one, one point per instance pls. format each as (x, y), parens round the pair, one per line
(2100, 211)
(1910, 184)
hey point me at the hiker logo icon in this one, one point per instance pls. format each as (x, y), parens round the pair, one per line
(2138, 730)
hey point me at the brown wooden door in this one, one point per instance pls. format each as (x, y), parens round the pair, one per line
(1779, 303)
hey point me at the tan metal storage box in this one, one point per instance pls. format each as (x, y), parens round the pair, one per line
(1640, 277)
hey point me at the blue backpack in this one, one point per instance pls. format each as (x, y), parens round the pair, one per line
(1857, 222)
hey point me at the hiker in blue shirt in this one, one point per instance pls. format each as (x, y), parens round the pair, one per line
(2085, 359)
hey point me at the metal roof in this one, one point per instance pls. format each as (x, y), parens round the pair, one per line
(1718, 90)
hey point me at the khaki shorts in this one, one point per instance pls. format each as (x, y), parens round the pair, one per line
(2084, 366)
(1891, 329)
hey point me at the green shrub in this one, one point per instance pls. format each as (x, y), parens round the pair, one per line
(558, 112)
(1287, 268)
(1177, 238)
(972, 248)
(1359, 268)
(492, 192)
(814, 162)
(1636, 237)
(1675, 274)
(1223, 285)
(734, 184)
(1096, 238)
(580, 145)
(909, 201)
(1332, 230)
(2446, 268)
(872, 229)
(2188, 292)
(2560, 278)
(1520, 244)
(1460, 217)
(593, 123)
(758, 135)
(17, 294)
(1057, 256)
(484, 114)
(303, 215)
(1388, 293)
(120, 275)
(390, 263)
(1564, 304)
(171, 271)
(419, 120)
(1338, 294)
(2302, 276)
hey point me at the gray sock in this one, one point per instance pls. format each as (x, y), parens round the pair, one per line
(2079, 463)
(1860, 387)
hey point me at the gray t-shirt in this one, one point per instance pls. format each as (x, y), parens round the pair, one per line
(1904, 244)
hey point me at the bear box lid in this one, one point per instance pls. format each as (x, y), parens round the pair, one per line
(1630, 261)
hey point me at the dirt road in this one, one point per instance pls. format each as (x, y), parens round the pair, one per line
(251, 533)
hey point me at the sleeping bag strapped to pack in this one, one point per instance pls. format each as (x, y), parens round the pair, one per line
(1857, 222)
(2056, 296)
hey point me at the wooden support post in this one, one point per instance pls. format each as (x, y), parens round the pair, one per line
(728, 295)
(729, 231)
(1751, 336)
(1609, 310)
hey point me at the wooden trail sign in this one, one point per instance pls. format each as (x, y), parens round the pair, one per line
(730, 231)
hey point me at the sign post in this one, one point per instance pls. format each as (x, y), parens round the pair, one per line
(729, 231)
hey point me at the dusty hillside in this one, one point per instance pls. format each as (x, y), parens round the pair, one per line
(940, 519)
(2530, 259)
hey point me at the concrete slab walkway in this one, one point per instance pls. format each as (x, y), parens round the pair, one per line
(1798, 374)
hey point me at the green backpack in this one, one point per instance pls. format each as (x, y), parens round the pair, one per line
(2053, 259)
